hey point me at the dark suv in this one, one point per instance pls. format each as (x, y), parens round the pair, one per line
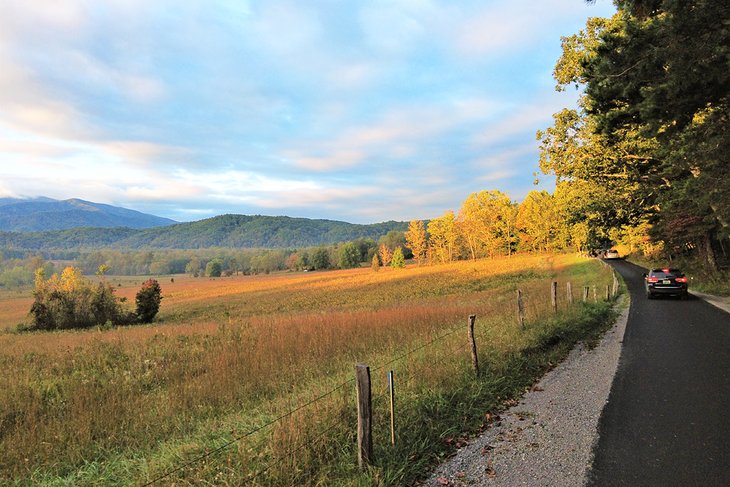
(669, 282)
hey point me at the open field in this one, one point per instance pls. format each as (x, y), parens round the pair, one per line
(229, 356)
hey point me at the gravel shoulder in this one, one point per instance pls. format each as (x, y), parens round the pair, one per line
(546, 439)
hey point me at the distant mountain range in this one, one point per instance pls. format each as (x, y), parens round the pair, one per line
(231, 231)
(42, 214)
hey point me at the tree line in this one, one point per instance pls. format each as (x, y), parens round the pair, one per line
(488, 224)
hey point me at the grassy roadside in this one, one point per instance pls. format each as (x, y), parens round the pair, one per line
(124, 407)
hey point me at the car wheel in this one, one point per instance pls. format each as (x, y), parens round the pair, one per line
(649, 295)
(684, 296)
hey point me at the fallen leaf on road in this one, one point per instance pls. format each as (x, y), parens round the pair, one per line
(489, 471)
(443, 481)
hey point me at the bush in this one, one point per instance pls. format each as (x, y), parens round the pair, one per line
(398, 261)
(148, 301)
(375, 263)
(214, 268)
(70, 301)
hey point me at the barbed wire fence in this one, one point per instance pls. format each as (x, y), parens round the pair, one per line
(401, 355)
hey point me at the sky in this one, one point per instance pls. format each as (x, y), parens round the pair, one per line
(362, 111)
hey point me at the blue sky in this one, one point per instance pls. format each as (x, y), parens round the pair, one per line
(361, 111)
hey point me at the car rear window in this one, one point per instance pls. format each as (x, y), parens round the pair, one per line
(660, 273)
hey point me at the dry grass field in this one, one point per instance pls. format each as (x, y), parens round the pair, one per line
(128, 405)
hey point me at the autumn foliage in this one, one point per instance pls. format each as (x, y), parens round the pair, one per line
(69, 301)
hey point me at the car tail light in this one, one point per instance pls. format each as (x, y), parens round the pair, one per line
(666, 271)
(652, 279)
(680, 279)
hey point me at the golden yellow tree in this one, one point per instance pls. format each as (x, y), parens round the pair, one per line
(485, 222)
(538, 222)
(416, 240)
(443, 237)
(385, 255)
(71, 279)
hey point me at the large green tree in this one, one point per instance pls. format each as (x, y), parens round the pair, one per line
(650, 134)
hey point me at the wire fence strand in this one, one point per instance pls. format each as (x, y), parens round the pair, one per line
(246, 435)
(404, 354)
(295, 450)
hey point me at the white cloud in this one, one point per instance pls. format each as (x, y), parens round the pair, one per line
(288, 28)
(133, 86)
(244, 187)
(525, 119)
(506, 157)
(498, 175)
(511, 25)
(394, 135)
(393, 28)
(145, 153)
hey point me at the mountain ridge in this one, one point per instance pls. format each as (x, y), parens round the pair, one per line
(47, 214)
(231, 231)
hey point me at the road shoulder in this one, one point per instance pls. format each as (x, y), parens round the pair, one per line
(546, 439)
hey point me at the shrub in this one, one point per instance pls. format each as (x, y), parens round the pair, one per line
(398, 261)
(148, 301)
(375, 263)
(214, 268)
(70, 301)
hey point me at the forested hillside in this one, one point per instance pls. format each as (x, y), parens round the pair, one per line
(231, 231)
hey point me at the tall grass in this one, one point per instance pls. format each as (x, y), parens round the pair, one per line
(125, 406)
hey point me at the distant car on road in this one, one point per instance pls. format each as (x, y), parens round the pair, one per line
(611, 254)
(667, 282)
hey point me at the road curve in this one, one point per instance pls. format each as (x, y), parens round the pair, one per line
(667, 421)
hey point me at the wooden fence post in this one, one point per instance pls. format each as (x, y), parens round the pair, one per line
(473, 343)
(391, 388)
(520, 310)
(595, 293)
(554, 296)
(569, 292)
(614, 291)
(585, 293)
(364, 416)
(608, 292)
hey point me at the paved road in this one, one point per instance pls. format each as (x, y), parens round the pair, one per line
(667, 421)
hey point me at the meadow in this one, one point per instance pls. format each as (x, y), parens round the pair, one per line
(249, 379)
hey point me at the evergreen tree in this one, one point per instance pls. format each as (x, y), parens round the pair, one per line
(399, 261)
(148, 301)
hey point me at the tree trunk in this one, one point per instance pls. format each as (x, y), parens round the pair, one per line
(708, 252)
